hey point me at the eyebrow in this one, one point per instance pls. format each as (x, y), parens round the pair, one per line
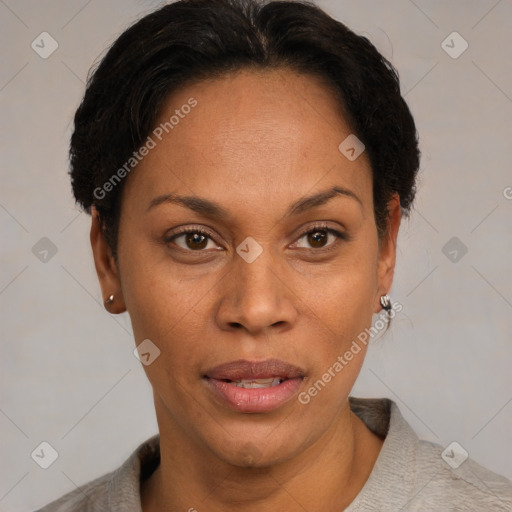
(215, 210)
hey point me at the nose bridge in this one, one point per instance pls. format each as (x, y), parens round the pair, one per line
(258, 274)
(258, 297)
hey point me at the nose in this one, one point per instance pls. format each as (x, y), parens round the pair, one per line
(257, 297)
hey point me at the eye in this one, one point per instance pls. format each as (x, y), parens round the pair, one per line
(197, 240)
(318, 236)
(192, 239)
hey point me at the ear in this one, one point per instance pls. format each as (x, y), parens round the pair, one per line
(106, 267)
(387, 251)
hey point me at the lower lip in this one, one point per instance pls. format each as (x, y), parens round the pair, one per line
(255, 399)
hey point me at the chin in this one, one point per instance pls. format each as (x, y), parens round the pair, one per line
(259, 448)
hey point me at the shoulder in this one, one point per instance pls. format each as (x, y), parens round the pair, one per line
(416, 475)
(446, 479)
(117, 490)
(91, 497)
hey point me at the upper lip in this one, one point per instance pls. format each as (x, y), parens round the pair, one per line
(243, 369)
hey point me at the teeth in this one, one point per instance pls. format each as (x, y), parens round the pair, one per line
(257, 383)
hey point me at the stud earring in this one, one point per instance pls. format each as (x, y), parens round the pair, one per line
(385, 302)
(109, 300)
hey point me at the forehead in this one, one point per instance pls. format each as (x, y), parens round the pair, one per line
(252, 131)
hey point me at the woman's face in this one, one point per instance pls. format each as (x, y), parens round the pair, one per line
(257, 160)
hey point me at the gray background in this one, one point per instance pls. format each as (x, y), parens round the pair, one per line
(69, 376)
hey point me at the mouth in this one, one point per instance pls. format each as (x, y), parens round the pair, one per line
(252, 386)
(256, 383)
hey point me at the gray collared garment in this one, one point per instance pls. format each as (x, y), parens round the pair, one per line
(409, 475)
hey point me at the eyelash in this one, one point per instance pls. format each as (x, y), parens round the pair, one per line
(318, 227)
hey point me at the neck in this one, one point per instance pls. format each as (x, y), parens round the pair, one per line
(326, 476)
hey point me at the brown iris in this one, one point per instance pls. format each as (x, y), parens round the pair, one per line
(196, 240)
(317, 237)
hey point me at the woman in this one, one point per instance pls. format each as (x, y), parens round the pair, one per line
(246, 167)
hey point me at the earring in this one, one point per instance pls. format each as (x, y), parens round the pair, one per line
(385, 302)
(109, 300)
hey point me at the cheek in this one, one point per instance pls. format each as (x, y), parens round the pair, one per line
(337, 352)
(338, 309)
(168, 308)
(164, 308)
(342, 296)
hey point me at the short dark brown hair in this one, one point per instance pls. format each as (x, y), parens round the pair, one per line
(190, 40)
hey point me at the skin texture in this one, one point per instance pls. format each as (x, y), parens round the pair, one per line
(255, 143)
